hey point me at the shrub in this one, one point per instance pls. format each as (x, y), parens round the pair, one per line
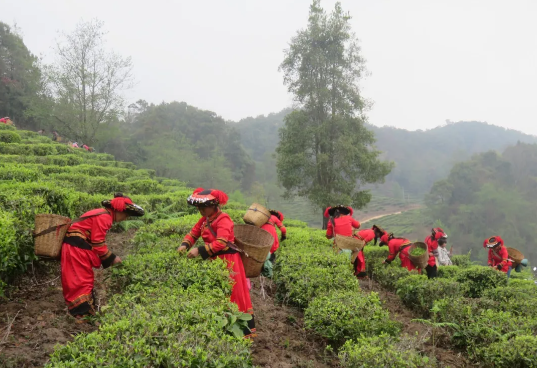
(9, 137)
(374, 256)
(476, 279)
(341, 315)
(448, 272)
(462, 260)
(519, 352)
(419, 293)
(519, 301)
(10, 260)
(18, 173)
(387, 275)
(380, 351)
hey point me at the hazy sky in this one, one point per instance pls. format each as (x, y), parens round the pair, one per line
(430, 60)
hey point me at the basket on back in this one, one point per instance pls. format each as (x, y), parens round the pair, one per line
(256, 215)
(349, 242)
(515, 255)
(256, 244)
(50, 244)
(421, 260)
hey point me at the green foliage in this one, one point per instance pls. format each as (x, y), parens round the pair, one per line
(462, 260)
(381, 351)
(9, 137)
(476, 279)
(419, 293)
(341, 315)
(9, 253)
(514, 353)
(448, 272)
(388, 275)
(335, 150)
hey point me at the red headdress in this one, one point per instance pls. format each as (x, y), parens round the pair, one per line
(438, 233)
(278, 214)
(344, 210)
(386, 237)
(207, 198)
(492, 242)
(121, 203)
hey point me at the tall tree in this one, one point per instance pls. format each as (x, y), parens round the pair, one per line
(325, 152)
(86, 82)
(19, 74)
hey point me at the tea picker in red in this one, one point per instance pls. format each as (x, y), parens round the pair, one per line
(498, 255)
(216, 230)
(437, 237)
(275, 221)
(84, 248)
(396, 246)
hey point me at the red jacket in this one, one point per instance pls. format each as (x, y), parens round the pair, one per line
(269, 226)
(432, 246)
(395, 246)
(344, 226)
(366, 235)
(276, 221)
(500, 257)
(93, 230)
(222, 225)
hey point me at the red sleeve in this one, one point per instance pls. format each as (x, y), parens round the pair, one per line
(505, 255)
(278, 223)
(355, 224)
(99, 228)
(329, 230)
(490, 257)
(392, 246)
(224, 233)
(194, 234)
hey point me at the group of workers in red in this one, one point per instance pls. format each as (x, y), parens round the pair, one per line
(342, 223)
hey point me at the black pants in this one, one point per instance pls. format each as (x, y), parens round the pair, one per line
(272, 257)
(432, 272)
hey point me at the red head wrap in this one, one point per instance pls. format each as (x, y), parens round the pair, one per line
(220, 196)
(326, 214)
(385, 238)
(439, 233)
(120, 203)
(492, 241)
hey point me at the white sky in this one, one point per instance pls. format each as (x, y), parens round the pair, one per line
(430, 60)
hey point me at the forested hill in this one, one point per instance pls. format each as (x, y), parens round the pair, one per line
(422, 156)
(491, 194)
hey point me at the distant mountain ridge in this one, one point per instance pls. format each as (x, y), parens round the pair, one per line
(422, 156)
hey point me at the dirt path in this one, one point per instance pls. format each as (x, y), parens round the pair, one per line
(35, 317)
(445, 355)
(378, 215)
(282, 341)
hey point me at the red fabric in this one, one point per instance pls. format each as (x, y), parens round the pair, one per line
(394, 246)
(3, 120)
(223, 227)
(277, 222)
(439, 233)
(497, 239)
(499, 256)
(269, 226)
(344, 226)
(432, 246)
(367, 235)
(77, 264)
(359, 263)
(120, 203)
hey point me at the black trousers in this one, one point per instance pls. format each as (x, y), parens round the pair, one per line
(432, 272)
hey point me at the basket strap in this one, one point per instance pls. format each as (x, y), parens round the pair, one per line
(68, 223)
(232, 245)
(256, 210)
(405, 246)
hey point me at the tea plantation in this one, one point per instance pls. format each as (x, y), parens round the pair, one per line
(170, 311)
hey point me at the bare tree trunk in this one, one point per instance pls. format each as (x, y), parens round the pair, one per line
(325, 222)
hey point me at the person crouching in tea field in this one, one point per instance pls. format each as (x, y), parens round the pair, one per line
(276, 220)
(437, 237)
(358, 258)
(84, 248)
(216, 230)
(397, 246)
(498, 256)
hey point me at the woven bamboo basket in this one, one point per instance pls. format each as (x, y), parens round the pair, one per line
(419, 261)
(515, 255)
(256, 215)
(256, 243)
(49, 245)
(349, 242)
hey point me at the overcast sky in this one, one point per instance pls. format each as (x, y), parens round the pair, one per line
(430, 60)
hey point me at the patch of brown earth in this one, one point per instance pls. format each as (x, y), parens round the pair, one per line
(34, 318)
(282, 341)
(444, 354)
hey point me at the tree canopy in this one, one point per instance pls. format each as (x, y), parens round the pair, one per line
(325, 151)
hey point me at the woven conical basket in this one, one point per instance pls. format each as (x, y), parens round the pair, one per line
(50, 245)
(256, 215)
(419, 261)
(349, 242)
(256, 243)
(515, 255)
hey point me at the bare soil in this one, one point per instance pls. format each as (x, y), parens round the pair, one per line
(34, 318)
(282, 341)
(445, 355)
(387, 211)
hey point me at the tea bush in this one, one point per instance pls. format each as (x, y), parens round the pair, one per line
(380, 351)
(388, 275)
(448, 272)
(462, 260)
(419, 293)
(476, 279)
(341, 315)
(519, 352)
(9, 137)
